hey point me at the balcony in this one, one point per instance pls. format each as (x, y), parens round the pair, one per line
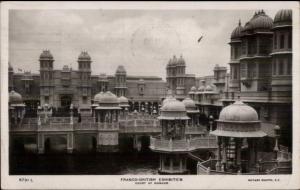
(184, 145)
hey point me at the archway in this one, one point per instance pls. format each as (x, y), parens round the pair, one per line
(55, 144)
(85, 143)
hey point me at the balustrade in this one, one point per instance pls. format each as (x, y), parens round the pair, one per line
(184, 144)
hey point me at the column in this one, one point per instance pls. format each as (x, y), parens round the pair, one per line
(218, 164)
(238, 153)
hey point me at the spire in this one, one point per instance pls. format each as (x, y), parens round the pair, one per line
(240, 22)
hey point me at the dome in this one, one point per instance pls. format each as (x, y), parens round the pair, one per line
(240, 121)
(15, 98)
(201, 88)
(236, 33)
(123, 101)
(84, 56)
(46, 54)
(181, 61)
(193, 88)
(108, 97)
(174, 60)
(190, 105)
(168, 99)
(98, 96)
(259, 21)
(121, 70)
(283, 17)
(208, 88)
(173, 110)
(238, 112)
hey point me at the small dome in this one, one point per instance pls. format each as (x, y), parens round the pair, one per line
(208, 88)
(46, 55)
(15, 98)
(283, 16)
(121, 70)
(236, 33)
(168, 99)
(238, 112)
(201, 88)
(174, 60)
(174, 105)
(189, 103)
(193, 88)
(173, 110)
(108, 98)
(123, 101)
(84, 56)
(98, 96)
(181, 61)
(259, 21)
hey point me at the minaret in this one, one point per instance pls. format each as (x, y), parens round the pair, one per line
(84, 72)
(120, 81)
(46, 78)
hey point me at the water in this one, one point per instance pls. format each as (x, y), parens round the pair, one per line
(132, 163)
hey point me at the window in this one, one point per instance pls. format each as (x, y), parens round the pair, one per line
(235, 73)
(281, 41)
(244, 70)
(281, 67)
(290, 40)
(46, 99)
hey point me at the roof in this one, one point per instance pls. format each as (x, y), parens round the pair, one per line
(46, 55)
(238, 111)
(173, 110)
(84, 56)
(121, 70)
(283, 18)
(259, 21)
(15, 98)
(236, 33)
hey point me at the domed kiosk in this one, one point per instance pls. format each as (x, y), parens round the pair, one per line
(173, 119)
(16, 107)
(107, 117)
(237, 122)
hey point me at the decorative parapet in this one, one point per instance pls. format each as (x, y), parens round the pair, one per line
(184, 145)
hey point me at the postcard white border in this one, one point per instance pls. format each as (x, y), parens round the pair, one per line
(114, 181)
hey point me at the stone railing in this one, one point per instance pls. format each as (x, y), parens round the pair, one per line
(159, 144)
(56, 127)
(194, 130)
(140, 129)
(86, 126)
(108, 126)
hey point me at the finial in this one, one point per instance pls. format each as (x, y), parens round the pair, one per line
(240, 22)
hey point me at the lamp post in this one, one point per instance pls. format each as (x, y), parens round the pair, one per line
(277, 135)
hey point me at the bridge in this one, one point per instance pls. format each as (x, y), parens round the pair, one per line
(104, 134)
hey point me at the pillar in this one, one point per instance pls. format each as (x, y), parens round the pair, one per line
(238, 145)
(41, 143)
(70, 142)
(218, 164)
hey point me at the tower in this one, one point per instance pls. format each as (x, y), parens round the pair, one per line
(46, 78)
(84, 83)
(120, 81)
(180, 76)
(282, 51)
(255, 61)
(235, 45)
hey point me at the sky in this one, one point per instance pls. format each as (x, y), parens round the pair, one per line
(141, 40)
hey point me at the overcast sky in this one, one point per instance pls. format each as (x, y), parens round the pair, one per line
(142, 41)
